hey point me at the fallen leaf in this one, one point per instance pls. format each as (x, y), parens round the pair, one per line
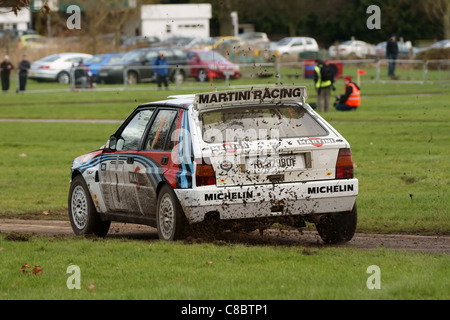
(22, 155)
(208, 262)
(91, 287)
(36, 270)
(45, 213)
(24, 267)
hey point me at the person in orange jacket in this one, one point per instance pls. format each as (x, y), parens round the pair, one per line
(351, 99)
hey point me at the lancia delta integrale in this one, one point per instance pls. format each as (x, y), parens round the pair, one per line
(246, 158)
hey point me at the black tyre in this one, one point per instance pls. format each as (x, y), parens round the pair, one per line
(133, 77)
(63, 78)
(337, 227)
(170, 218)
(84, 218)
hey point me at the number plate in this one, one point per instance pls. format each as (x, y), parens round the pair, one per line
(276, 163)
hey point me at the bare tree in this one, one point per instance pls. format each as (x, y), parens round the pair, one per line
(438, 10)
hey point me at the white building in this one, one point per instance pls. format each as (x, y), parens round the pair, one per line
(166, 20)
(9, 21)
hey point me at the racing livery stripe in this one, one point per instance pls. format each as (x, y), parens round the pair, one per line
(151, 166)
(185, 152)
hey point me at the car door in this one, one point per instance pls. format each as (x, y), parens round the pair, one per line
(117, 180)
(153, 163)
(147, 66)
(297, 47)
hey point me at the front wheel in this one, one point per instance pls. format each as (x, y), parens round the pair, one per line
(84, 218)
(337, 227)
(170, 219)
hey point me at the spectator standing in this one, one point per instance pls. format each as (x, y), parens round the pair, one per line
(24, 66)
(351, 99)
(161, 70)
(323, 80)
(391, 54)
(6, 67)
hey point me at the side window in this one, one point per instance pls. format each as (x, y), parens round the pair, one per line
(151, 55)
(133, 132)
(160, 131)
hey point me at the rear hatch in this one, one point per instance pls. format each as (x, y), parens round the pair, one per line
(269, 143)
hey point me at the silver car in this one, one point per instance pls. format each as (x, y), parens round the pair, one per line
(56, 67)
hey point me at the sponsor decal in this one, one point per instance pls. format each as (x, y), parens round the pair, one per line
(330, 189)
(256, 95)
(229, 195)
(317, 142)
(226, 165)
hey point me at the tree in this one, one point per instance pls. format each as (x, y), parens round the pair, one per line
(439, 11)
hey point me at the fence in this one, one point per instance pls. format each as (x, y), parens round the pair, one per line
(277, 73)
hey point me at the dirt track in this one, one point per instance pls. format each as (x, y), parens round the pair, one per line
(435, 244)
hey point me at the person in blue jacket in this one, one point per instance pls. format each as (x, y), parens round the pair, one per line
(161, 71)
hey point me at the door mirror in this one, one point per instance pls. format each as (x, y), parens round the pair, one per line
(112, 143)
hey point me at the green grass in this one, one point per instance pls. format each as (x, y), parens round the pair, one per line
(124, 269)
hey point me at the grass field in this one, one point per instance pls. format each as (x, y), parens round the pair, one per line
(400, 143)
(124, 269)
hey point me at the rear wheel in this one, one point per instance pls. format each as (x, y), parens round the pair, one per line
(132, 78)
(337, 227)
(63, 78)
(84, 218)
(170, 219)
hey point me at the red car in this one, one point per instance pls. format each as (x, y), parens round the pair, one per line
(207, 64)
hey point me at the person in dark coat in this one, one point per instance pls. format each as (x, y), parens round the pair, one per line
(161, 71)
(6, 67)
(391, 54)
(24, 66)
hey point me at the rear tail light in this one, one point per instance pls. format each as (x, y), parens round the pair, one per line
(204, 174)
(344, 164)
(44, 67)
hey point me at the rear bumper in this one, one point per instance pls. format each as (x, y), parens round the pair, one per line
(272, 200)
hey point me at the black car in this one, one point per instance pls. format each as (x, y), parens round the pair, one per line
(137, 66)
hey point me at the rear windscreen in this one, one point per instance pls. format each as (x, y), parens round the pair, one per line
(259, 123)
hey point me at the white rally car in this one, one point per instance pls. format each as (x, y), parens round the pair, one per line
(243, 157)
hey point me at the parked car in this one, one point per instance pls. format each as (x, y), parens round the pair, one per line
(227, 42)
(356, 48)
(234, 159)
(56, 67)
(138, 66)
(206, 64)
(32, 41)
(199, 43)
(443, 44)
(99, 60)
(254, 37)
(291, 47)
(139, 42)
(405, 49)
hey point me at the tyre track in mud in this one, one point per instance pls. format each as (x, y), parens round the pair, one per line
(275, 237)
